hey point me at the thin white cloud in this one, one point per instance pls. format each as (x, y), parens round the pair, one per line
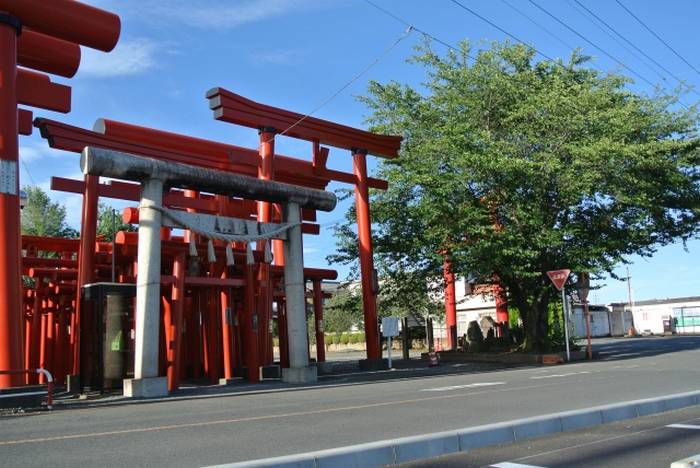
(277, 57)
(207, 14)
(30, 152)
(128, 58)
(311, 250)
(225, 14)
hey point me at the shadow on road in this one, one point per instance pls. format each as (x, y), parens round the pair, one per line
(632, 348)
(347, 372)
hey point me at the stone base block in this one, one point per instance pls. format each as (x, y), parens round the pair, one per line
(270, 372)
(296, 375)
(228, 381)
(373, 364)
(148, 387)
(324, 368)
(73, 384)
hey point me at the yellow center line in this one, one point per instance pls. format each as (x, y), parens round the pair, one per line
(168, 427)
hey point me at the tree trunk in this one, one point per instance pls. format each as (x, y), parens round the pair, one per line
(534, 316)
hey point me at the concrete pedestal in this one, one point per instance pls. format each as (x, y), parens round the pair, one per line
(147, 387)
(373, 364)
(73, 384)
(299, 375)
(324, 368)
(270, 372)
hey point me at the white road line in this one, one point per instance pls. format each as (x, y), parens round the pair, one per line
(536, 377)
(458, 387)
(684, 426)
(24, 394)
(514, 465)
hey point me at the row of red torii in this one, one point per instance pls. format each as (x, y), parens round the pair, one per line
(260, 282)
(39, 326)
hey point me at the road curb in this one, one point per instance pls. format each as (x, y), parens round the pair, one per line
(393, 451)
(689, 462)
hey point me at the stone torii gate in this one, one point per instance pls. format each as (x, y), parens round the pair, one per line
(154, 175)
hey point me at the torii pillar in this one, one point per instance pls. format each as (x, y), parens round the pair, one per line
(450, 305)
(10, 271)
(367, 271)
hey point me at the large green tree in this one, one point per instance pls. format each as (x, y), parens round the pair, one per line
(512, 167)
(42, 217)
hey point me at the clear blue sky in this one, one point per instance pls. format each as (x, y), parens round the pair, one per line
(295, 53)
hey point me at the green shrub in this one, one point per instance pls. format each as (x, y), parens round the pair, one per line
(336, 339)
(344, 338)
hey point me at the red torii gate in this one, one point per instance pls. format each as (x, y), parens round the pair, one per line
(44, 36)
(233, 108)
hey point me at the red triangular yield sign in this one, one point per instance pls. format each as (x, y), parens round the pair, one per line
(558, 277)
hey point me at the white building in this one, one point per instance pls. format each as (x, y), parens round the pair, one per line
(473, 302)
(657, 316)
(601, 321)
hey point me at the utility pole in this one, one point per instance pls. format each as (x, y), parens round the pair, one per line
(583, 286)
(629, 297)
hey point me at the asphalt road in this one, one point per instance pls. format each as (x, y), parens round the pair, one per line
(649, 442)
(344, 410)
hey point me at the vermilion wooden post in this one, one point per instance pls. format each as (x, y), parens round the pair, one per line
(61, 349)
(278, 260)
(86, 259)
(212, 326)
(27, 345)
(265, 172)
(226, 318)
(10, 270)
(501, 303)
(250, 324)
(178, 303)
(318, 320)
(167, 335)
(204, 316)
(364, 236)
(450, 305)
(42, 341)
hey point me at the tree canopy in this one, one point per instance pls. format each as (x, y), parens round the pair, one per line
(42, 217)
(511, 167)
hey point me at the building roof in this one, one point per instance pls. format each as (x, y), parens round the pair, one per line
(668, 300)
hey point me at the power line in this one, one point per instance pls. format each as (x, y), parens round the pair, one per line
(352, 80)
(500, 29)
(26, 169)
(587, 15)
(407, 24)
(657, 36)
(613, 30)
(539, 25)
(619, 62)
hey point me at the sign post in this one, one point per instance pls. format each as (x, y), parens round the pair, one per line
(390, 328)
(583, 286)
(559, 278)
